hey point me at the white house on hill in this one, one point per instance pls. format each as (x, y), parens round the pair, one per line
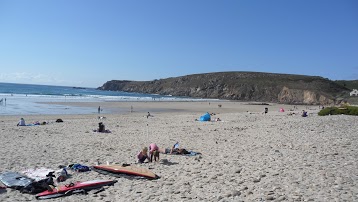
(354, 92)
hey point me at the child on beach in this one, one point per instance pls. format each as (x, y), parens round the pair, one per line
(154, 151)
(143, 155)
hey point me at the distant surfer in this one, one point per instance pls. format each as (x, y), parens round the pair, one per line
(99, 109)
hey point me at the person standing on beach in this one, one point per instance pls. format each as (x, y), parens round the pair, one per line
(99, 109)
(154, 152)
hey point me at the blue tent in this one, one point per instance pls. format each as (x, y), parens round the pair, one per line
(205, 117)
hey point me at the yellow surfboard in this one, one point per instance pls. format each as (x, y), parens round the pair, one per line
(129, 170)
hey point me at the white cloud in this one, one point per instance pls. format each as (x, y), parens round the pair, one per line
(31, 78)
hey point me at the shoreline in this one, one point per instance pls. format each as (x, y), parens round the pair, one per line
(222, 106)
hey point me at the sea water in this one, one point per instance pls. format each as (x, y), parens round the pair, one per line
(27, 99)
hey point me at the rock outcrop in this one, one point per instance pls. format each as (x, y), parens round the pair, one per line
(243, 86)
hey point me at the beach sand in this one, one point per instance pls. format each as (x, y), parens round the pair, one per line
(246, 157)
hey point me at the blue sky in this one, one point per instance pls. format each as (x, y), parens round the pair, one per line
(87, 42)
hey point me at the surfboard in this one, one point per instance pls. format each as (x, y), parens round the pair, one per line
(129, 170)
(78, 187)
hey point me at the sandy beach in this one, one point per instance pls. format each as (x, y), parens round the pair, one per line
(248, 156)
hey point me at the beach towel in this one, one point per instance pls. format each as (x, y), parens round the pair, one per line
(105, 131)
(38, 173)
(31, 124)
(191, 153)
(184, 153)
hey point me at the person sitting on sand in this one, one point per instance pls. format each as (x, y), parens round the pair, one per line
(266, 110)
(148, 115)
(143, 155)
(175, 150)
(101, 127)
(304, 113)
(154, 151)
(180, 151)
(21, 122)
(169, 150)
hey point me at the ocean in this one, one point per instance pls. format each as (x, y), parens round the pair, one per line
(27, 99)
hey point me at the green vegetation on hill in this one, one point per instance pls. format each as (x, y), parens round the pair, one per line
(350, 84)
(347, 110)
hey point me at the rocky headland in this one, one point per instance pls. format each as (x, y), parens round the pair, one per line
(241, 86)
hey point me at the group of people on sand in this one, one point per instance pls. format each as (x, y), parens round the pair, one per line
(22, 123)
(154, 152)
(102, 128)
(303, 114)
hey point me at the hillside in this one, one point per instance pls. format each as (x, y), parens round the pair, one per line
(350, 84)
(243, 86)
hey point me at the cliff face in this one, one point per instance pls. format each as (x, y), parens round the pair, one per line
(292, 96)
(243, 86)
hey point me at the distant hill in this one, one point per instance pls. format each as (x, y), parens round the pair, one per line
(243, 86)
